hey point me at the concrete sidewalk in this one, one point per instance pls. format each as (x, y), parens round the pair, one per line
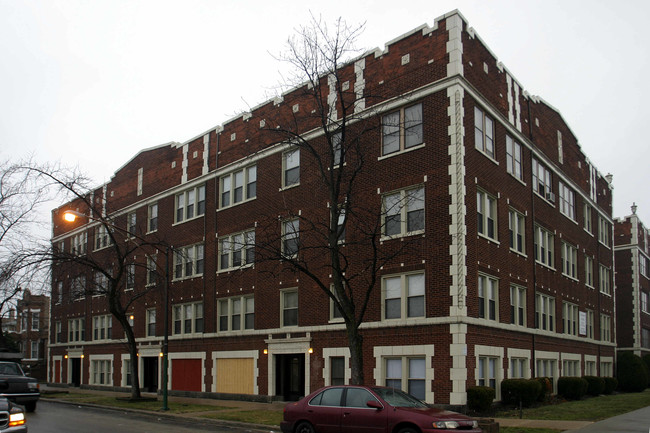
(543, 423)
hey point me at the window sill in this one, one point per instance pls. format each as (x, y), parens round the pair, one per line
(401, 236)
(489, 239)
(191, 277)
(287, 187)
(488, 156)
(550, 203)
(401, 152)
(545, 265)
(176, 223)
(238, 203)
(521, 181)
(238, 268)
(519, 253)
(570, 277)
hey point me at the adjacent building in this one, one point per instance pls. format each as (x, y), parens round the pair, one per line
(509, 271)
(632, 256)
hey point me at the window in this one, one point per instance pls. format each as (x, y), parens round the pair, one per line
(239, 186)
(590, 324)
(130, 276)
(291, 168)
(545, 312)
(569, 260)
(337, 150)
(518, 305)
(190, 204)
(151, 322)
(407, 374)
(513, 158)
(131, 224)
(606, 369)
(36, 317)
(570, 368)
(486, 207)
(236, 313)
(589, 271)
(59, 292)
(570, 318)
(101, 372)
(340, 225)
(546, 368)
(237, 250)
(488, 296)
(567, 201)
(402, 129)
(645, 339)
(153, 218)
(542, 181)
(58, 331)
(403, 212)
(102, 327)
(483, 132)
(337, 370)
(518, 368)
(487, 371)
(335, 312)
(590, 368)
(605, 280)
(587, 219)
(289, 300)
(604, 231)
(517, 224)
(403, 296)
(188, 318)
(544, 248)
(290, 237)
(79, 244)
(605, 328)
(152, 270)
(76, 330)
(644, 302)
(78, 288)
(188, 261)
(102, 239)
(642, 266)
(101, 283)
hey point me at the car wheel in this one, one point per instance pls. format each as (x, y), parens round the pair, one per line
(305, 427)
(408, 430)
(31, 406)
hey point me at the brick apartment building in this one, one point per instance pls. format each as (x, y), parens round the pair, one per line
(511, 224)
(33, 321)
(632, 256)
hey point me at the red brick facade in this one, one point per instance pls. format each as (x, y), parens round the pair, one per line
(451, 73)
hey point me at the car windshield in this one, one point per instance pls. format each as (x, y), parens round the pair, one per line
(398, 398)
(10, 369)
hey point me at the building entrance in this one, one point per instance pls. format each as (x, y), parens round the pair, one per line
(290, 376)
(150, 373)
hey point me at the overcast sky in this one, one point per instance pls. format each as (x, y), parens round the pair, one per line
(91, 83)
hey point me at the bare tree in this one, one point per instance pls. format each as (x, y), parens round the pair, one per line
(340, 250)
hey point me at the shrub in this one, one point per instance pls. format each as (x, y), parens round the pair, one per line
(631, 373)
(646, 361)
(546, 388)
(611, 383)
(572, 388)
(479, 398)
(515, 390)
(595, 385)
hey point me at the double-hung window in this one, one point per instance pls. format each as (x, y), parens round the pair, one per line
(188, 261)
(570, 318)
(408, 374)
(152, 270)
(644, 302)
(290, 237)
(76, 329)
(604, 231)
(236, 313)
(545, 312)
(188, 318)
(643, 266)
(131, 224)
(152, 224)
(289, 307)
(605, 280)
(190, 203)
(513, 158)
(567, 201)
(518, 305)
(403, 296)
(402, 129)
(291, 168)
(589, 271)
(403, 212)
(130, 276)
(79, 244)
(569, 260)
(486, 209)
(587, 219)
(102, 327)
(542, 181)
(517, 226)
(605, 327)
(488, 297)
(487, 371)
(102, 240)
(239, 186)
(483, 132)
(151, 322)
(544, 246)
(518, 368)
(237, 250)
(101, 372)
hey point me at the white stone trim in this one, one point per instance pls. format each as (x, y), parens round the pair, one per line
(331, 352)
(519, 353)
(455, 45)
(187, 355)
(426, 350)
(229, 354)
(286, 347)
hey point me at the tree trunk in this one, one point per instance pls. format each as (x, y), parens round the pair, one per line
(355, 342)
(133, 351)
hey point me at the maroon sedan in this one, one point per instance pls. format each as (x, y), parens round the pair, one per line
(369, 409)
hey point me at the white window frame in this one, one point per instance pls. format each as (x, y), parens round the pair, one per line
(517, 227)
(103, 327)
(488, 297)
(605, 327)
(234, 311)
(570, 318)
(543, 181)
(514, 158)
(285, 308)
(76, 329)
(101, 370)
(484, 128)
(150, 325)
(189, 262)
(545, 312)
(35, 322)
(518, 303)
(412, 289)
(236, 247)
(589, 271)
(189, 317)
(544, 247)
(397, 125)
(605, 280)
(132, 224)
(399, 206)
(567, 201)
(291, 165)
(79, 244)
(590, 324)
(644, 302)
(189, 204)
(569, 261)
(290, 237)
(152, 218)
(102, 239)
(412, 369)
(487, 215)
(238, 187)
(571, 368)
(604, 232)
(588, 219)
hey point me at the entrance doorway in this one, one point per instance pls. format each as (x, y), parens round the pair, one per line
(75, 371)
(290, 376)
(150, 373)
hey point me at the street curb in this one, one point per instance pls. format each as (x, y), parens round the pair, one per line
(249, 427)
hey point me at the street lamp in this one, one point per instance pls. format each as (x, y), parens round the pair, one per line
(71, 216)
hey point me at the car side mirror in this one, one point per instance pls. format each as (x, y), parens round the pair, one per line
(374, 404)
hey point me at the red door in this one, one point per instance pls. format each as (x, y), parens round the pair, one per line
(57, 371)
(187, 375)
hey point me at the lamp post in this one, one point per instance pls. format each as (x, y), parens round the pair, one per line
(71, 216)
